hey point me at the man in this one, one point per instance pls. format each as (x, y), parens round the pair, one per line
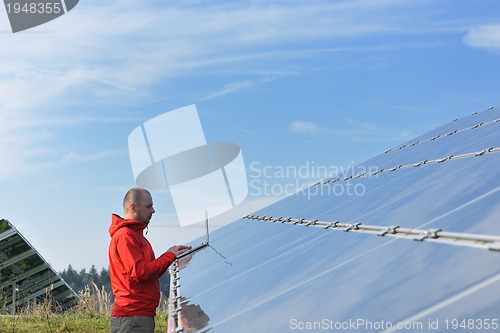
(134, 270)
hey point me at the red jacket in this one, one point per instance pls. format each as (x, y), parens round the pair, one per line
(133, 269)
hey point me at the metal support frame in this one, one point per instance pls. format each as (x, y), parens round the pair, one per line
(487, 242)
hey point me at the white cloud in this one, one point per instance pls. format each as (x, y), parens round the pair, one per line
(302, 126)
(129, 45)
(350, 129)
(484, 36)
(230, 88)
(236, 86)
(18, 140)
(118, 50)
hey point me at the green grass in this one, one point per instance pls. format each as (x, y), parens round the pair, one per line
(90, 315)
(67, 322)
(71, 322)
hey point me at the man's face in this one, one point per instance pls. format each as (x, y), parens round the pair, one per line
(145, 210)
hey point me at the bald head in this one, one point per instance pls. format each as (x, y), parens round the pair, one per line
(138, 205)
(134, 195)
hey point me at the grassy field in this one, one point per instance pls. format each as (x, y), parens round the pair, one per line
(55, 323)
(90, 315)
(68, 322)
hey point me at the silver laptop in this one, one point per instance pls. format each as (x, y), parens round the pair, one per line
(202, 245)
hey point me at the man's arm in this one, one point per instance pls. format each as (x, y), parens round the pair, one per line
(137, 265)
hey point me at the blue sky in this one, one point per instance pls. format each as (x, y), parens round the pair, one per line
(294, 83)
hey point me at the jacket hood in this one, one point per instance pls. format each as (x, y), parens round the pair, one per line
(118, 222)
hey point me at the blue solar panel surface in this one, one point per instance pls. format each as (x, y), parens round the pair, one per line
(280, 277)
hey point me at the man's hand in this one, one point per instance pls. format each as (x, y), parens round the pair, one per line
(178, 249)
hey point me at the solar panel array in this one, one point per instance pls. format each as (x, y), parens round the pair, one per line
(25, 277)
(417, 248)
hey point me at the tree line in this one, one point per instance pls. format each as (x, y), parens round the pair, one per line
(78, 280)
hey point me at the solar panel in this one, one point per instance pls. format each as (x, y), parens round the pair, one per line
(25, 277)
(414, 246)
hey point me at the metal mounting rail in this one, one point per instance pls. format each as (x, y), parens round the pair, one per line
(176, 296)
(444, 135)
(177, 300)
(413, 165)
(486, 242)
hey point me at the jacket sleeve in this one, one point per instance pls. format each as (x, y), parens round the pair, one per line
(137, 265)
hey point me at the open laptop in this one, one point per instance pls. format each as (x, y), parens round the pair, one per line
(202, 245)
